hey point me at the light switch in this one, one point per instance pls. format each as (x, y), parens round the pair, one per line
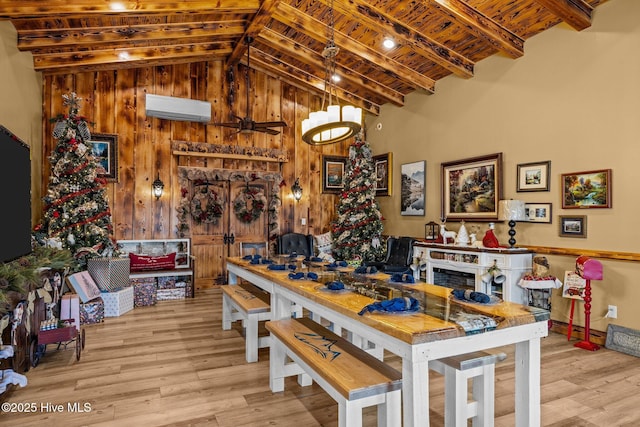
(304, 221)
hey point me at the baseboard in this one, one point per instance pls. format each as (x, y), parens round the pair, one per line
(596, 337)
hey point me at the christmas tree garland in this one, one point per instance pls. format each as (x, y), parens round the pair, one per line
(249, 204)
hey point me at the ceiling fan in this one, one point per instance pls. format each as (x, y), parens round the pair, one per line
(246, 124)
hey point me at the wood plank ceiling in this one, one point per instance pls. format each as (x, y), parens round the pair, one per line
(435, 38)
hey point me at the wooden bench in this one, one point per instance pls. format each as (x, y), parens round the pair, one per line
(479, 367)
(351, 376)
(242, 302)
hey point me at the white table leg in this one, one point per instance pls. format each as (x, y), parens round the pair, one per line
(415, 393)
(528, 383)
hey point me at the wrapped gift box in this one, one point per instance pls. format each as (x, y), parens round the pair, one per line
(70, 308)
(171, 294)
(144, 292)
(92, 312)
(110, 274)
(84, 285)
(166, 282)
(118, 303)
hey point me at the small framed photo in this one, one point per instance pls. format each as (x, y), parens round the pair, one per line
(384, 173)
(590, 189)
(333, 168)
(538, 212)
(533, 176)
(104, 148)
(573, 226)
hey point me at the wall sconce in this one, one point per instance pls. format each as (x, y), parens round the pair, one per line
(296, 190)
(158, 187)
(512, 211)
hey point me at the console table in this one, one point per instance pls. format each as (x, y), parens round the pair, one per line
(463, 267)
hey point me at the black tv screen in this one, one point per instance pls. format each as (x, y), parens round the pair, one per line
(15, 193)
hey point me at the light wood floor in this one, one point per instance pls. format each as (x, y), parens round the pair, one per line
(172, 365)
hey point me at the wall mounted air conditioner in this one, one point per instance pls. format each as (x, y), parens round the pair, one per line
(180, 109)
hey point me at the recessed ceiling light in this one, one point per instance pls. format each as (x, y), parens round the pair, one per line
(389, 43)
(117, 6)
(336, 78)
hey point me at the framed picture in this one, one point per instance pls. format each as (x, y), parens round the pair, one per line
(333, 168)
(383, 164)
(105, 149)
(471, 188)
(590, 189)
(573, 226)
(533, 176)
(538, 212)
(412, 188)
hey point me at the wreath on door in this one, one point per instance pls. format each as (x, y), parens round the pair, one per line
(206, 206)
(249, 204)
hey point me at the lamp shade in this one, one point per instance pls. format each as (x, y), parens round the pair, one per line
(511, 210)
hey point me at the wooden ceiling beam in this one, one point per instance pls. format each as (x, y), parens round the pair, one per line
(301, 53)
(376, 18)
(36, 8)
(127, 58)
(297, 77)
(481, 26)
(259, 21)
(576, 13)
(310, 26)
(124, 35)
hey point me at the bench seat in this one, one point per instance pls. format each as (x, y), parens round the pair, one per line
(251, 306)
(351, 376)
(478, 366)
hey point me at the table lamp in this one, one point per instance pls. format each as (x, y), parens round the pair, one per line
(512, 211)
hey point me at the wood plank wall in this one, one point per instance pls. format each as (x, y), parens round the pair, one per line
(114, 102)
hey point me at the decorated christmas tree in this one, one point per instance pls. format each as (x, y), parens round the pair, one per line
(76, 209)
(358, 228)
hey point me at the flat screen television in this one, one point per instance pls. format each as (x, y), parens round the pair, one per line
(15, 194)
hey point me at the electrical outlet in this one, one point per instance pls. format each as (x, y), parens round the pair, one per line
(612, 312)
(303, 221)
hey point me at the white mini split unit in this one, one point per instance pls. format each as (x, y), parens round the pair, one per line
(179, 109)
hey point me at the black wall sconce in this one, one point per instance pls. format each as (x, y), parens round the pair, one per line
(296, 190)
(157, 187)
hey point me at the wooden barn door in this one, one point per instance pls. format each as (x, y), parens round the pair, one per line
(213, 242)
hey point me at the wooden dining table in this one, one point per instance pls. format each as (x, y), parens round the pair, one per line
(443, 326)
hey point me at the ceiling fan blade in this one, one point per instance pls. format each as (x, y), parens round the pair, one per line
(267, 130)
(234, 125)
(271, 124)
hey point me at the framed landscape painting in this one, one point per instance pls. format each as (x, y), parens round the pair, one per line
(104, 147)
(471, 188)
(333, 168)
(412, 188)
(533, 176)
(573, 226)
(590, 189)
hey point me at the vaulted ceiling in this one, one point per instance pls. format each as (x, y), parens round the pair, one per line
(435, 38)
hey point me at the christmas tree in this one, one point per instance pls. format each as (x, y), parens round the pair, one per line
(76, 210)
(358, 229)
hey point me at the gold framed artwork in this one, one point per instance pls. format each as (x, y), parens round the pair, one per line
(471, 188)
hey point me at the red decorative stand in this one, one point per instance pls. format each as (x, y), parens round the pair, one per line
(588, 269)
(586, 344)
